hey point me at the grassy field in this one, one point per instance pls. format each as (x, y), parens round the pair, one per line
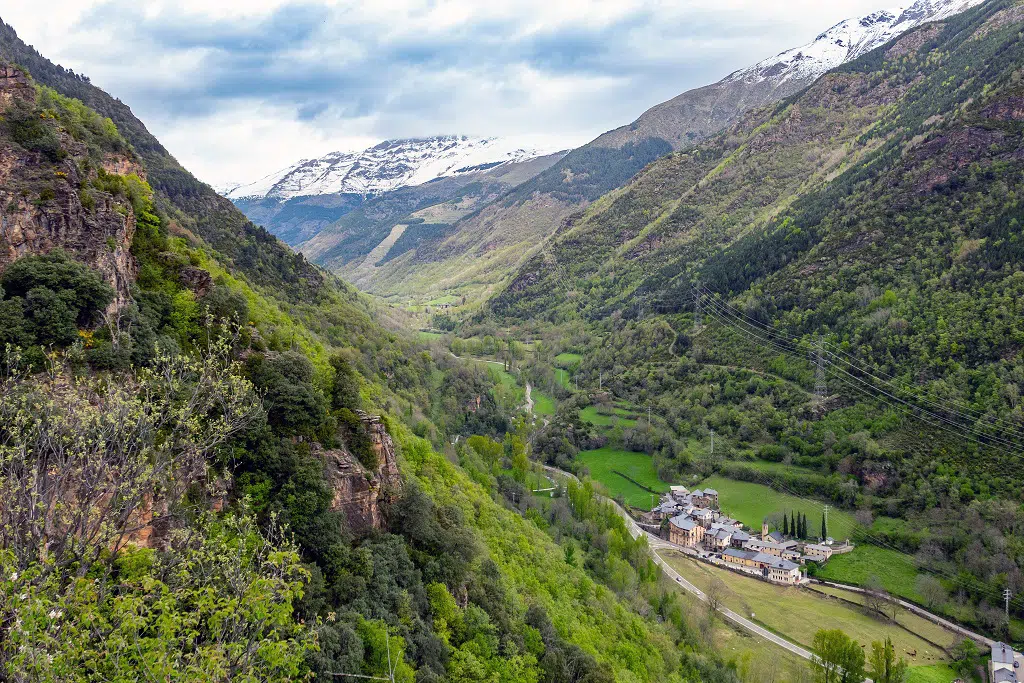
(798, 614)
(751, 503)
(565, 360)
(543, 404)
(429, 336)
(896, 570)
(564, 379)
(639, 466)
(922, 627)
(506, 379)
(621, 417)
(738, 645)
(936, 673)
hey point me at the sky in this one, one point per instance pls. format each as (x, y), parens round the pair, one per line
(237, 89)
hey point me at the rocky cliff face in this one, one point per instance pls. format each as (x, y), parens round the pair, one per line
(359, 492)
(47, 202)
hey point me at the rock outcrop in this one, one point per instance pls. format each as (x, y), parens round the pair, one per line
(360, 493)
(46, 204)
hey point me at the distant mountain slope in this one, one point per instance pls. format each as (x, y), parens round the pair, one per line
(386, 167)
(194, 205)
(480, 250)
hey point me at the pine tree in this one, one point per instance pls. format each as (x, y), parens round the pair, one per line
(785, 525)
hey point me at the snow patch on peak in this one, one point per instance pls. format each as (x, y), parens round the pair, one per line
(388, 166)
(848, 40)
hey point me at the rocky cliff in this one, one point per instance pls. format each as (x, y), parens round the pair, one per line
(50, 196)
(359, 492)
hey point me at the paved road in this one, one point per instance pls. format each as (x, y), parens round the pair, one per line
(656, 543)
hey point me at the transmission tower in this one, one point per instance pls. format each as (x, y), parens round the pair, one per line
(698, 304)
(820, 390)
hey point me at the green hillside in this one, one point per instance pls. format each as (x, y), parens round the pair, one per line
(180, 480)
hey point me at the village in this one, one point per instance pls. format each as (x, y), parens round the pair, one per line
(693, 521)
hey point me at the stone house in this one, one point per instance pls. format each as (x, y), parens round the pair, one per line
(683, 530)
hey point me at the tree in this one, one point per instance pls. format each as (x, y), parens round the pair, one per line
(966, 658)
(785, 525)
(884, 666)
(715, 594)
(792, 525)
(931, 590)
(838, 658)
(875, 596)
(824, 529)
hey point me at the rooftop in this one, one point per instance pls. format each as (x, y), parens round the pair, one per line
(683, 522)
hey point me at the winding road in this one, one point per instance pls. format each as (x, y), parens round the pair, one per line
(656, 543)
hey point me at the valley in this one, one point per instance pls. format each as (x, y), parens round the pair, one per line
(729, 394)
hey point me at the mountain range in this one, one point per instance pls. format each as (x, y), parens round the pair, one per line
(483, 232)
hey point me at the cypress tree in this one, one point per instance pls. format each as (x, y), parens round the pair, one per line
(824, 531)
(785, 525)
(792, 525)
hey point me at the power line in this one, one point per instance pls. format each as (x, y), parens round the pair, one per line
(852, 362)
(785, 346)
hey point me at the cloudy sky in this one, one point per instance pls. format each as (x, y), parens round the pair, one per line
(239, 88)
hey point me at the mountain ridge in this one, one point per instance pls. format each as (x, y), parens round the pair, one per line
(387, 166)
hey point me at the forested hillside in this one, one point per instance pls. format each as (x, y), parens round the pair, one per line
(230, 468)
(833, 285)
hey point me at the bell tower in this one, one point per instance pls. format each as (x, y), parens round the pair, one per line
(764, 529)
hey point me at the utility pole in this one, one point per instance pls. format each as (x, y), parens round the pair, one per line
(819, 371)
(1006, 596)
(648, 417)
(712, 442)
(826, 523)
(600, 381)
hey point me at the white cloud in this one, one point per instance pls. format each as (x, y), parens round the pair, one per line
(238, 89)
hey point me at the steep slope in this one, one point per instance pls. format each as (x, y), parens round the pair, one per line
(193, 205)
(877, 211)
(469, 256)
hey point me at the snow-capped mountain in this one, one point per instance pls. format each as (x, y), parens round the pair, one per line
(701, 112)
(847, 41)
(385, 167)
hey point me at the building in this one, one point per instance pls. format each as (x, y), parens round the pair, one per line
(711, 498)
(704, 517)
(775, 537)
(739, 538)
(683, 530)
(1006, 664)
(766, 547)
(793, 555)
(771, 568)
(718, 539)
(729, 521)
(666, 510)
(817, 553)
(783, 571)
(742, 558)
